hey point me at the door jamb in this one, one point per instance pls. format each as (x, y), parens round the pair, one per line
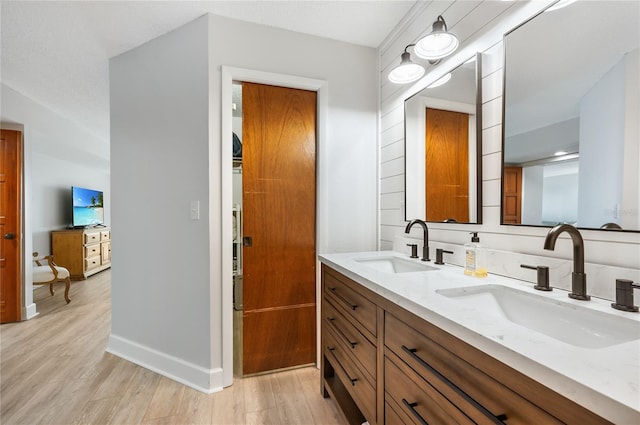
(229, 75)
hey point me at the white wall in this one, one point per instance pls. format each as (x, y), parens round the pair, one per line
(620, 249)
(560, 197)
(602, 128)
(351, 151)
(532, 194)
(57, 155)
(160, 286)
(166, 136)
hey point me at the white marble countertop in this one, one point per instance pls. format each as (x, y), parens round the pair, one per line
(605, 380)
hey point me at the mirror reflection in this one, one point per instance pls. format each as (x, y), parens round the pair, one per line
(571, 135)
(442, 148)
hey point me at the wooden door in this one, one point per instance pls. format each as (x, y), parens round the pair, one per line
(10, 161)
(447, 165)
(512, 195)
(278, 161)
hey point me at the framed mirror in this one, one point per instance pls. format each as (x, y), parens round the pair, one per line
(571, 108)
(443, 148)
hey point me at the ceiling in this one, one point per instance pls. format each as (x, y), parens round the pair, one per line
(57, 52)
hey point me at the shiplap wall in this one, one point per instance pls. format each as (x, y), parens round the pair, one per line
(480, 25)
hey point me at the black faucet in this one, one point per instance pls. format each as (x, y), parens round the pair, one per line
(624, 295)
(439, 254)
(578, 277)
(425, 246)
(542, 281)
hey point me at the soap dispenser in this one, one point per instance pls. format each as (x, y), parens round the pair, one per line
(475, 257)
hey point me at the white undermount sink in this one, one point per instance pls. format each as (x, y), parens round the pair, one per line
(564, 321)
(394, 265)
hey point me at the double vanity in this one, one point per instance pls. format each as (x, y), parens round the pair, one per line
(407, 341)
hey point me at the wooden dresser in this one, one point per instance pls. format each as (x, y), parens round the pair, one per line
(383, 364)
(83, 252)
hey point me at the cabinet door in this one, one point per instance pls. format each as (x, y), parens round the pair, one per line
(105, 249)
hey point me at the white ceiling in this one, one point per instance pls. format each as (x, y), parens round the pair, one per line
(57, 52)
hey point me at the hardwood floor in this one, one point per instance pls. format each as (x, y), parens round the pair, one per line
(54, 370)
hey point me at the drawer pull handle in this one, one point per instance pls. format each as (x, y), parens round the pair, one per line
(331, 348)
(493, 418)
(353, 381)
(412, 408)
(344, 337)
(343, 299)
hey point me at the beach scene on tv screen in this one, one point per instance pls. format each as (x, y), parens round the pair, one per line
(88, 206)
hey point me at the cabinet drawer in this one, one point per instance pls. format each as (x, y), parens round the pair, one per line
(105, 236)
(393, 415)
(356, 345)
(478, 395)
(91, 263)
(416, 398)
(92, 251)
(353, 303)
(92, 237)
(363, 394)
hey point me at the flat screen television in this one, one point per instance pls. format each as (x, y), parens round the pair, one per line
(88, 207)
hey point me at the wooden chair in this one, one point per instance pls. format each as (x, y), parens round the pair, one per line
(50, 273)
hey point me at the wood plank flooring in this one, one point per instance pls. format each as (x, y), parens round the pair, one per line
(54, 370)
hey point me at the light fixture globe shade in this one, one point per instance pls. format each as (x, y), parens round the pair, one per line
(436, 45)
(406, 72)
(440, 81)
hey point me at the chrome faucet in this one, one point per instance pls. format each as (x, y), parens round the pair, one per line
(578, 277)
(425, 246)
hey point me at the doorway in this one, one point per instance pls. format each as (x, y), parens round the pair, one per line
(228, 76)
(275, 263)
(447, 165)
(10, 225)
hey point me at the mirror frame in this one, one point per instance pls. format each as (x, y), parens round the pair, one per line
(502, 163)
(478, 185)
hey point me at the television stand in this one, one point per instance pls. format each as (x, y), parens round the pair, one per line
(84, 252)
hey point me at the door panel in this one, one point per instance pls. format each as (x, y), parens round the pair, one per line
(447, 165)
(512, 195)
(10, 160)
(279, 147)
(280, 338)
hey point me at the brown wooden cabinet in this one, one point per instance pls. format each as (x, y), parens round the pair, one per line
(386, 365)
(83, 252)
(349, 347)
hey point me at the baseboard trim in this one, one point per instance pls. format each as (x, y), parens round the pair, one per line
(29, 312)
(201, 379)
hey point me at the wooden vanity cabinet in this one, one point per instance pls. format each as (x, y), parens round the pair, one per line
(423, 374)
(478, 396)
(349, 348)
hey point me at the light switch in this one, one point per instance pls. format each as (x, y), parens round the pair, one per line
(195, 210)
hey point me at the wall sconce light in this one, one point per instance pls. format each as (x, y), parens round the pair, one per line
(438, 43)
(408, 71)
